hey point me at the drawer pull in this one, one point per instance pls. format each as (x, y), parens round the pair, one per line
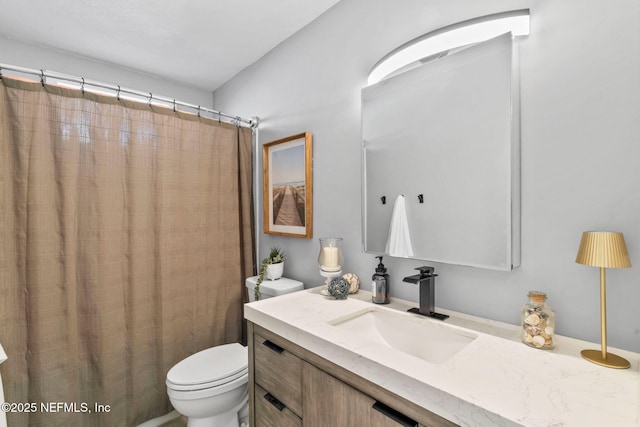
(398, 417)
(274, 347)
(275, 402)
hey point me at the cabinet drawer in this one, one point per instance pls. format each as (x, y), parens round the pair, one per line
(272, 413)
(278, 372)
(384, 416)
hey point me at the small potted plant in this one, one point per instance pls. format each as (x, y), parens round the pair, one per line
(272, 268)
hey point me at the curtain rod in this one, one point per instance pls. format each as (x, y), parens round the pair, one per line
(236, 120)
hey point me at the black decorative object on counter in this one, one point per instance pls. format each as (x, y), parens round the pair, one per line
(338, 288)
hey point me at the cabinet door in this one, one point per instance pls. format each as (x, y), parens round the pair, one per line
(278, 372)
(327, 401)
(270, 412)
(384, 416)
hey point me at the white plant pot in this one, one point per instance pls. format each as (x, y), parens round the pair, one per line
(274, 271)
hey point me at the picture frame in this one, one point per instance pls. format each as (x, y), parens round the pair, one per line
(287, 186)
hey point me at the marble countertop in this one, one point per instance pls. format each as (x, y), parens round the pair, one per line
(494, 381)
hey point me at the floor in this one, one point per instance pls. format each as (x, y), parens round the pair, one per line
(172, 419)
(176, 422)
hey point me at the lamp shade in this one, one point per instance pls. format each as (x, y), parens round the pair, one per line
(603, 249)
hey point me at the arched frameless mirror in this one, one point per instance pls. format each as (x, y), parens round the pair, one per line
(447, 130)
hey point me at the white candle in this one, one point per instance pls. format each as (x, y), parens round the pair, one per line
(330, 257)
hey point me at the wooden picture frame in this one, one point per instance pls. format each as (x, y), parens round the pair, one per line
(287, 186)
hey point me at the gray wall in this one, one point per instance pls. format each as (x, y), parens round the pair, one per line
(30, 56)
(580, 148)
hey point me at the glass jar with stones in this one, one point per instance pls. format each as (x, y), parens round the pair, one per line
(538, 322)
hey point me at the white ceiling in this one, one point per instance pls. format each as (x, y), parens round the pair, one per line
(202, 43)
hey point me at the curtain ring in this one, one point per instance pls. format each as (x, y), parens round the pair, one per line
(150, 98)
(198, 111)
(219, 117)
(174, 105)
(82, 86)
(42, 77)
(118, 93)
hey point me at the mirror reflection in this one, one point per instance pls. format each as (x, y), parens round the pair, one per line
(445, 135)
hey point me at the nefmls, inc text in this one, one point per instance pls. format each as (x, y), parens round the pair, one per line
(53, 407)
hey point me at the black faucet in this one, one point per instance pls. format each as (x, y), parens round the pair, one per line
(427, 282)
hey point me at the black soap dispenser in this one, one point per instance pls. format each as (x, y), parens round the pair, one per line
(380, 285)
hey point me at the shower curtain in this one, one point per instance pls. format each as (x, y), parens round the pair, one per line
(125, 238)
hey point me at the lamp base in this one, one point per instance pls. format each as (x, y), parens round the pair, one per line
(612, 360)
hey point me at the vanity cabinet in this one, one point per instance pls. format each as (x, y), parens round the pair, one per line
(270, 412)
(291, 386)
(330, 402)
(278, 384)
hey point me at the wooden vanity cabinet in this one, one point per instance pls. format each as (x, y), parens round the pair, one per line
(279, 372)
(278, 384)
(268, 413)
(291, 386)
(328, 401)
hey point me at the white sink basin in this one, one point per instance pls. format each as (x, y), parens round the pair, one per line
(427, 339)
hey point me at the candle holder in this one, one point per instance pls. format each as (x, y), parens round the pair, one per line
(330, 258)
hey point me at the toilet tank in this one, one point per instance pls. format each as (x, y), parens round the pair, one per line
(272, 288)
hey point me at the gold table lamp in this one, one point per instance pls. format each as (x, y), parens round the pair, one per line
(603, 249)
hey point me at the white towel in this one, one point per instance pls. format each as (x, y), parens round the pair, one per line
(399, 239)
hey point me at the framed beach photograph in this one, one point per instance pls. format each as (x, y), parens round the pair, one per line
(287, 186)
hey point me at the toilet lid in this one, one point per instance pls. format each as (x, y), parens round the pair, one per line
(213, 365)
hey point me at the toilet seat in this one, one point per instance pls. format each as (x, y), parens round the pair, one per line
(202, 386)
(204, 392)
(213, 367)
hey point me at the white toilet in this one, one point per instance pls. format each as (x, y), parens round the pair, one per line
(272, 288)
(210, 387)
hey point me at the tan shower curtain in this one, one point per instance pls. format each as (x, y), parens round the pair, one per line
(125, 238)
